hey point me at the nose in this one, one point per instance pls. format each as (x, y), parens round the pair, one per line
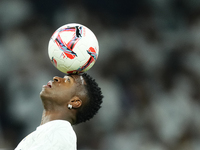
(56, 79)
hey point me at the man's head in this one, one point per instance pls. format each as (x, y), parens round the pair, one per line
(80, 91)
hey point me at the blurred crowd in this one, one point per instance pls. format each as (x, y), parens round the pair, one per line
(148, 68)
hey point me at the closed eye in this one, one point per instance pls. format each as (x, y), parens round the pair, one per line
(67, 78)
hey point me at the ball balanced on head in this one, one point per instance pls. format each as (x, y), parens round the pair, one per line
(73, 48)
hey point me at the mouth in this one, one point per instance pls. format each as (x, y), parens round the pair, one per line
(49, 84)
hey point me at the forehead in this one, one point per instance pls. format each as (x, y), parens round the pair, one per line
(77, 78)
(80, 82)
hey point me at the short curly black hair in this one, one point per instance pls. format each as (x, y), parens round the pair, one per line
(95, 100)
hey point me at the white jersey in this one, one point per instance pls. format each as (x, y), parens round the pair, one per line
(54, 135)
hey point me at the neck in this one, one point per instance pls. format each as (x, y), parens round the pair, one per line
(48, 116)
(53, 111)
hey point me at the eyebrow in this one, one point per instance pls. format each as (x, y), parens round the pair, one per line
(72, 77)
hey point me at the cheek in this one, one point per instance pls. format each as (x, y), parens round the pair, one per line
(62, 96)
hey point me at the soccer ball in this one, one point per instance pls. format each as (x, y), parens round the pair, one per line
(73, 48)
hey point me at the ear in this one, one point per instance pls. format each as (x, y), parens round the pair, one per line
(76, 102)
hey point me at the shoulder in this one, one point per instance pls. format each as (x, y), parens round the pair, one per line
(53, 135)
(55, 124)
(58, 133)
(57, 127)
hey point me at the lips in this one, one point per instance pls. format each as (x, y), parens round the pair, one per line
(49, 84)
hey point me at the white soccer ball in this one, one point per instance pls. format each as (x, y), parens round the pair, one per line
(73, 48)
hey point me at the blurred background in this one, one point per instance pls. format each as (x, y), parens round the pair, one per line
(148, 69)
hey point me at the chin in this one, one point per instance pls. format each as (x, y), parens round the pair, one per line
(44, 95)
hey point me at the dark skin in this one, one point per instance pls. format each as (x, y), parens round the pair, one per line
(58, 94)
